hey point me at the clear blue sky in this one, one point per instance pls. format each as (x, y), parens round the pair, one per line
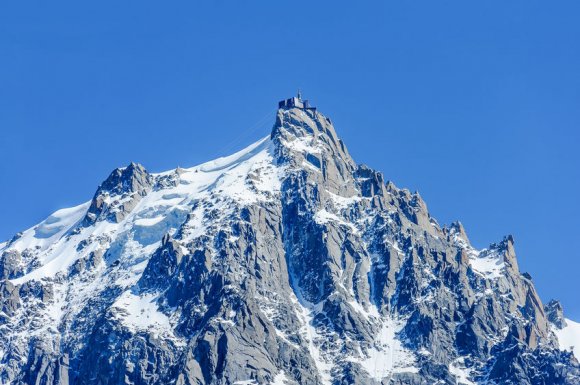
(474, 104)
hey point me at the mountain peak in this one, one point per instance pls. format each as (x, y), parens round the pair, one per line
(456, 228)
(306, 139)
(286, 262)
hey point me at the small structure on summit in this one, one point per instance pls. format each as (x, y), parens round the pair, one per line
(296, 102)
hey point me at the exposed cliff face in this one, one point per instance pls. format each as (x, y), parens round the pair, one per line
(286, 263)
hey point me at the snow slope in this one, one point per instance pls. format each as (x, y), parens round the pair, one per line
(569, 337)
(159, 212)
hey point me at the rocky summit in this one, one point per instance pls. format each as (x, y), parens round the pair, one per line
(284, 263)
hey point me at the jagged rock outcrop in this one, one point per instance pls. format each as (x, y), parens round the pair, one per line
(285, 263)
(119, 194)
(555, 313)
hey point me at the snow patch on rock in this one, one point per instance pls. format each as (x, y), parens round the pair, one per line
(461, 373)
(387, 355)
(141, 313)
(487, 263)
(569, 337)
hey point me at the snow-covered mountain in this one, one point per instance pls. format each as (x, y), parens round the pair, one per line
(285, 263)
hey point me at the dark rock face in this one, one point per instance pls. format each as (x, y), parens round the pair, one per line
(10, 264)
(285, 263)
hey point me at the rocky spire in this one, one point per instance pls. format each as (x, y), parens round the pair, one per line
(119, 193)
(555, 313)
